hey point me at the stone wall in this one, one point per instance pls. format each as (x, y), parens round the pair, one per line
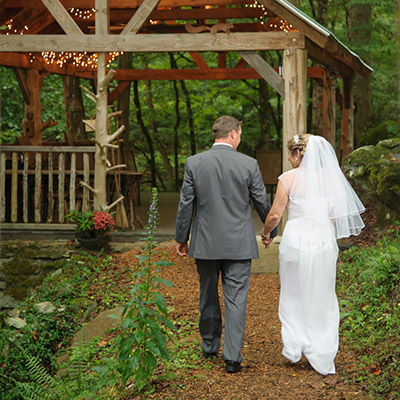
(24, 265)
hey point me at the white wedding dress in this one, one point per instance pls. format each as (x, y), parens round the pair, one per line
(308, 307)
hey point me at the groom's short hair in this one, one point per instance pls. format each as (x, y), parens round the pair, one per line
(223, 125)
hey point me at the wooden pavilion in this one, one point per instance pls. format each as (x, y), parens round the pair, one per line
(78, 38)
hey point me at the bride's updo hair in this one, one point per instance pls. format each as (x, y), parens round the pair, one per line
(298, 142)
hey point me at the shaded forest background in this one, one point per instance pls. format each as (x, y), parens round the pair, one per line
(169, 120)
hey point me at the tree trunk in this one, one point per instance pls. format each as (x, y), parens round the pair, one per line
(398, 55)
(162, 143)
(151, 159)
(123, 104)
(359, 33)
(177, 123)
(74, 110)
(190, 117)
(264, 111)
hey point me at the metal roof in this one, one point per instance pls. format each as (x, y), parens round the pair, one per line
(320, 28)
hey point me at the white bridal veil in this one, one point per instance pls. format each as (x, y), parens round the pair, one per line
(322, 191)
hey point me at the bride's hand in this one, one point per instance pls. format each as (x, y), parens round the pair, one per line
(265, 239)
(266, 242)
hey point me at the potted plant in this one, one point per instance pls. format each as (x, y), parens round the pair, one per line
(92, 228)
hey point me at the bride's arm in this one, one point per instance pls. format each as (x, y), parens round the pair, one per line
(277, 209)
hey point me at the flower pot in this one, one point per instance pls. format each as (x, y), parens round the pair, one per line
(94, 243)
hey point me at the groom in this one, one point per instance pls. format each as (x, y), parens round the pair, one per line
(217, 190)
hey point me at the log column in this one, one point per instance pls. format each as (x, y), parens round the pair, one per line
(295, 102)
(100, 168)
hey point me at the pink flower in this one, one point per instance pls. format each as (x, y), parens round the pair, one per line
(103, 221)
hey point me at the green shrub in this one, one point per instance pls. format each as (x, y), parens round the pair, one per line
(369, 295)
(45, 336)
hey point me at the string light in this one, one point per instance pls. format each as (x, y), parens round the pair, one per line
(13, 31)
(273, 25)
(78, 59)
(82, 60)
(82, 14)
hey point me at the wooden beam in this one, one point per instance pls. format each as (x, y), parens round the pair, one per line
(199, 60)
(265, 70)
(129, 3)
(140, 17)
(187, 74)
(324, 57)
(117, 91)
(154, 43)
(62, 16)
(102, 20)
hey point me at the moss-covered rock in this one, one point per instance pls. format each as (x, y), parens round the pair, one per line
(372, 136)
(24, 265)
(375, 172)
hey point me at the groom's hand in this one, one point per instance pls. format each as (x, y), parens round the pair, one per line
(267, 242)
(182, 249)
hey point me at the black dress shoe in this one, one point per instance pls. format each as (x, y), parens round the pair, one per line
(209, 355)
(232, 366)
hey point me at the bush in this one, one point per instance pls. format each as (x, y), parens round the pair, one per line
(45, 336)
(369, 295)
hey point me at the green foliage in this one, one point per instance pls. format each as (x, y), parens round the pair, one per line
(78, 382)
(46, 335)
(145, 324)
(369, 293)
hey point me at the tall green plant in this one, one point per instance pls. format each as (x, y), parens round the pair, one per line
(145, 323)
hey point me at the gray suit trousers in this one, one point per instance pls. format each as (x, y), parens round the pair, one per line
(235, 285)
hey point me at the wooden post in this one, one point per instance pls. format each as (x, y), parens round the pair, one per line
(14, 188)
(329, 109)
(295, 102)
(100, 157)
(347, 123)
(2, 187)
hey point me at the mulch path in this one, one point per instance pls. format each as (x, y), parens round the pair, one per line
(265, 373)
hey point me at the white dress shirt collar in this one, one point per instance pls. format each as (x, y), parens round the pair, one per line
(222, 144)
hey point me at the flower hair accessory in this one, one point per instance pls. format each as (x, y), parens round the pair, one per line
(296, 139)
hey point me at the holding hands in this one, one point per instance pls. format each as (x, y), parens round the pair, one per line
(266, 240)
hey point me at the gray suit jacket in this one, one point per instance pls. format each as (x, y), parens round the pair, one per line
(217, 189)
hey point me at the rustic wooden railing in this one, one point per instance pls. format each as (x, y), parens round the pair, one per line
(38, 184)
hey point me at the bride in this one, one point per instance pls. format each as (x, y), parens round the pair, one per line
(322, 207)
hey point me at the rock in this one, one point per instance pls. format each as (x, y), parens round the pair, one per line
(14, 313)
(15, 322)
(98, 326)
(7, 302)
(378, 133)
(374, 171)
(45, 307)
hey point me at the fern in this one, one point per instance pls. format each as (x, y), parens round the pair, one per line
(75, 386)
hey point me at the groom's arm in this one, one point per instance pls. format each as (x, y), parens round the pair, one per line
(259, 197)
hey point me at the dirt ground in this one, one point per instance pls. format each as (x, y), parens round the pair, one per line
(265, 373)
